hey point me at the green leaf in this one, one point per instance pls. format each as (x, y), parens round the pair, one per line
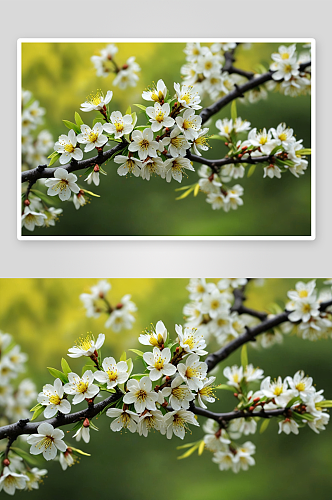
(201, 447)
(142, 127)
(65, 367)
(77, 426)
(185, 194)
(136, 351)
(140, 106)
(244, 357)
(138, 375)
(57, 374)
(324, 404)
(134, 117)
(98, 120)
(37, 410)
(88, 366)
(264, 425)
(123, 356)
(225, 387)
(188, 453)
(303, 152)
(233, 111)
(128, 111)
(277, 148)
(251, 170)
(196, 190)
(78, 120)
(53, 154)
(76, 450)
(41, 195)
(130, 365)
(292, 401)
(216, 136)
(25, 455)
(93, 426)
(308, 416)
(54, 159)
(91, 193)
(72, 126)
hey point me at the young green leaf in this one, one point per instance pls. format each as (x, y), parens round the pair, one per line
(251, 170)
(91, 193)
(123, 356)
(57, 374)
(244, 357)
(264, 425)
(76, 450)
(188, 453)
(136, 351)
(233, 111)
(65, 367)
(140, 106)
(225, 387)
(54, 159)
(26, 456)
(37, 412)
(78, 120)
(72, 125)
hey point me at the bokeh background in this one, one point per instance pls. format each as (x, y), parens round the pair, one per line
(45, 316)
(61, 76)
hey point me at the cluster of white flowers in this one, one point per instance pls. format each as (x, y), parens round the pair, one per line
(34, 152)
(120, 316)
(126, 75)
(304, 305)
(210, 309)
(203, 69)
(15, 399)
(287, 75)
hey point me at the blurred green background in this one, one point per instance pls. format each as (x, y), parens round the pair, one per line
(45, 316)
(61, 76)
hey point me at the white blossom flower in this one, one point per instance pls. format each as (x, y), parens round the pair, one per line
(300, 384)
(252, 374)
(83, 433)
(191, 340)
(263, 140)
(66, 146)
(272, 171)
(124, 419)
(233, 198)
(92, 138)
(52, 216)
(31, 219)
(283, 135)
(245, 459)
(63, 184)
(121, 125)
(286, 69)
(193, 314)
(277, 390)
(128, 164)
(217, 200)
(175, 168)
(156, 338)
(109, 51)
(225, 459)
(35, 476)
(198, 287)
(232, 171)
(10, 481)
(127, 77)
(157, 93)
(187, 96)
(241, 426)
(319, 423)
(208, 64)
(206, 392)
(302, 290)
(113, 374)
(225, 127)
(44, 141)
(200, 142)
(177, 144)
(215, 438)
(47, 441)
(152, 166)
(121, 318)
(234, 375)
(87, 346)
(159, 116)
(143, 143)
(66, 459)
(303, 309)
(287, 426)
(176, 422)
(52, 398)
(152, 419)
(94, 178)
(158, 363)
(179, 394)
(140, 393)
(81, 387)
(214, 304)
(189, 124)
(193, 372)
(96, 102)
(284, 53)
(193, 50)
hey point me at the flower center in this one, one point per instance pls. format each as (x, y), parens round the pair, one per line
(141, 395)
(55, 399)
(144, 144)
(179, 393)
(118, 126)
(46, 442)
(303, 293)
(283, 136)
(95, 99)
(300, 386)
(191, 372)
(277, 391)
(285, 55)
(82, 386)
(160, 117)
(93, 136)
(190, 341)
(69, 148)
(215, 304)
(125, 419)
(186, 97)
(112, 375)
(263, 139)
(159, 363)
(84, 343)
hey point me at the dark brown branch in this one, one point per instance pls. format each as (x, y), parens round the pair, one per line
(43, 172)
(239, 91)
(215, 165)
(250, 334)
(238, 306)
(12, 431)
(226, 417)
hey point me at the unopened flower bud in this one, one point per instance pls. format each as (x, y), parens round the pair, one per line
(244, 148)
(119, 306)
(86, 423)
(168, 378)
(96, 168)
(251, 408)
(125, 66)
(26, 203)
(6, 462)
(177, 349)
